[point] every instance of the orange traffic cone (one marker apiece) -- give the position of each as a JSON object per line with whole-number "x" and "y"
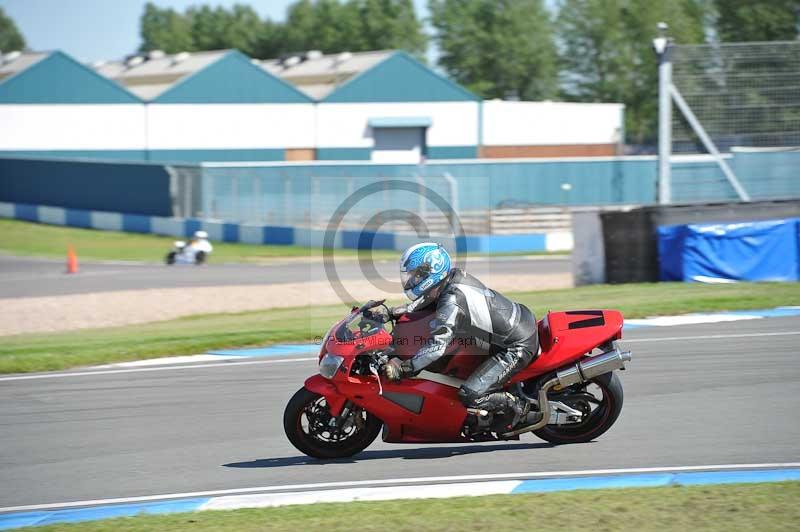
{"x": 72, "y": 260}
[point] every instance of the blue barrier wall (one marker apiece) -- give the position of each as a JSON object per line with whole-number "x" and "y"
{"x": 749, "y": 251}
{"x": 119, "y": 187}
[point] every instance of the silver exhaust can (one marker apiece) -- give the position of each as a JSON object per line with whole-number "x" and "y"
{"x": 589, "y": 368}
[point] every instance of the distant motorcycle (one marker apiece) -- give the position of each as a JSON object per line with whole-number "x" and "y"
{"x": 196, "y": 251}
{"x": 340, "y": 411}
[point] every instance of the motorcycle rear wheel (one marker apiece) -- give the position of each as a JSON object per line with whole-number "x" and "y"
{"x": 316, "y": 438}
{"x": 599, "y": 420}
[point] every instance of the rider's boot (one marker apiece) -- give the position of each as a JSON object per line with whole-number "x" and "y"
{"x": 501, "y": 412}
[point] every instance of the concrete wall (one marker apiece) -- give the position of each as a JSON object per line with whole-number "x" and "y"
{"x": 334, "y": 131}
{"x": 230, "y": 126}
{"x": 126, "y": 188}
{"x": 344, "y": 126}
{"x": 73, "y": 127}
{"x": 551, "y": 129}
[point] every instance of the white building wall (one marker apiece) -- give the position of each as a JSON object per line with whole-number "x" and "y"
{"x": 230, "y": 126}
{"x": 72, "y": 127}
{"x": 345, "y": 125}
{"x": 551, "y": 123}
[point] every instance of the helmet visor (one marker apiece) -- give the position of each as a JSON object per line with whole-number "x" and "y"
{"x": 412, "y": 278}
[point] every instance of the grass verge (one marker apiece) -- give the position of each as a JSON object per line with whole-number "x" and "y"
{"x": 200, "y": 333}
{"x": 709, "y": 508}
{"x": 40, "y": 240}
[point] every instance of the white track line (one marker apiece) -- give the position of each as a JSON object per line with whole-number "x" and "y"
{"x": 710, "y": 337}
{"x": 162, "y": 368}
{"x": 400, "y": 481}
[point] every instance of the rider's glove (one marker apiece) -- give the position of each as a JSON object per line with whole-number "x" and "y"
{"x": 396, "y": 312}
{"x": 378, "y": 314}
{"x": 395, "y": 369}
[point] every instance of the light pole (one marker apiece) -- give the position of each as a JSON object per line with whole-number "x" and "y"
{"x": 662, "y": 45}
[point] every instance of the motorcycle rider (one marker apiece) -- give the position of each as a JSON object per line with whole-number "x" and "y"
{"x": 199, "y": 242}
{"x": 466, "y": 309}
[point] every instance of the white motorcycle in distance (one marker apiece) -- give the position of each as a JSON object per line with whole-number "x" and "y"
{"x": 196, "y": 251}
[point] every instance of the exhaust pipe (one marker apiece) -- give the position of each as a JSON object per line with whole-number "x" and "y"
{"x": 590, "y": 368}
{"x": 583, "y": 371}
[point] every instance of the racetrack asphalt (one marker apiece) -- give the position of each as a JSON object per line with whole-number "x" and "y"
{"x": 724, "y": 393}
{"x": 30, "y": 277}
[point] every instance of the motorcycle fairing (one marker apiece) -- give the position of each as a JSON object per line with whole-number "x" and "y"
{"x": 439, "y": 420}
{"x": 564, "y": 337}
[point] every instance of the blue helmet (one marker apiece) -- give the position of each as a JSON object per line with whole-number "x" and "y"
{"x": 423, "y": 267}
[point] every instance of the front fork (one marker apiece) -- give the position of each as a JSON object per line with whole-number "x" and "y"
{"x": 324, "y": 387}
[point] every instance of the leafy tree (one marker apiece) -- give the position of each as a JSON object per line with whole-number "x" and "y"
{"x": 165, "y": 29}
{"x": 357, "y": 25}
{"x": 328, "y": 25}
{"x": 390, "y": 24}
{"x": 606, "y": 53}
{"x": 497, "y": 48}
{"x": 216, "y": 29}
{"x": 757, "y": 20}
{"x": 10, "y": 37}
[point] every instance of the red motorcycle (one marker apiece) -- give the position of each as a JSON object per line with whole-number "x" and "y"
{"x": 339, "y": 412}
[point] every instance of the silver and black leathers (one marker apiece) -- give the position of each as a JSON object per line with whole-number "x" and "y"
{"x": 504, "y": 329}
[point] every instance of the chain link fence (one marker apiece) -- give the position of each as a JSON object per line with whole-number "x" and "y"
{"x": 400, "y": 203}
{"x": 744, "y": 94}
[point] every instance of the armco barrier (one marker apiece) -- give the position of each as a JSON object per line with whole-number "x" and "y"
{"x": 744, "y": 251}
{"x": 278, "y": 235}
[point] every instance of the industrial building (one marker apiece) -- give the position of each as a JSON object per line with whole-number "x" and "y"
{"x": 383, "y": 106}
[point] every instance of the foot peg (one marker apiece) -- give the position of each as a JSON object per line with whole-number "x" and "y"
{"x": 532, "y": 421}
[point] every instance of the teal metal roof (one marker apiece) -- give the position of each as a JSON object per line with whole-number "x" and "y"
{"x": 57, "y": 79}
{"x": 400, "y": 121}
{"x": 399, "y": 78}
{"x": 232, "y": 79}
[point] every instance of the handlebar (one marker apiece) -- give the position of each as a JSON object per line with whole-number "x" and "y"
{"x": 371, "y": 304}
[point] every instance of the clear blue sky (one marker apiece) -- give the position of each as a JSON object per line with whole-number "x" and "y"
{"x": 91, "y": 30}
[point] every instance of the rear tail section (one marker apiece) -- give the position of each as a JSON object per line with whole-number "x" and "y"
{"x": 567, "y": 336}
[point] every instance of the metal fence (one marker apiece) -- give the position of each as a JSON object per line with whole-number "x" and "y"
{"x": 486, "y": 198}
{"x": 245, "y": 194}
{"x": 744, "y": 94}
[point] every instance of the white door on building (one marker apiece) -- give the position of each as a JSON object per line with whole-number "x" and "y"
{"x": 396, "y": 145}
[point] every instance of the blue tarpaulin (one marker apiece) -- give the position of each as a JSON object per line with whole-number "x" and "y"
{"x": 746, "y": 251}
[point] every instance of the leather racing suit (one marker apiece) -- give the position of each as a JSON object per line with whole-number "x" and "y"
{"x": 506, "y": 330}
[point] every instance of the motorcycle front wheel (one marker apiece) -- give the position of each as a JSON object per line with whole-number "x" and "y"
{"x": 313, "y": 431}
{"x": 169, "y": 260}
{"x": 600, "y": 400}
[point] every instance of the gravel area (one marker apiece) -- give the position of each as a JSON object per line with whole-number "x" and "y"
{"x": 126, "y": 307}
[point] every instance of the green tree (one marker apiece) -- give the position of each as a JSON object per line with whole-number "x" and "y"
{"x": 390, "y": 24}
{"x": 165, "y": 29}
{"x": 497, "y": 48}
{"x": 606, "y": 53}
{"x": 328, "y": 25}
{"x": 10, "y": 37}
{"x": 357, "y": 25}
{"x": 300, "y": 25}
{"x": 217, "y": 29}
{"x": 757, "y": 20}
